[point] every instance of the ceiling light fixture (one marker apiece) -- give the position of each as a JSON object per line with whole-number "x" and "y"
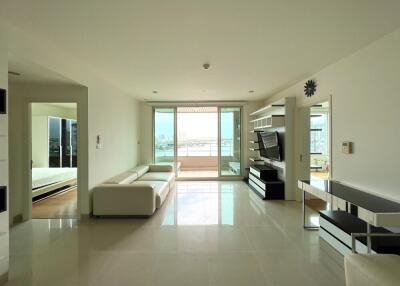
{"x": 155, "y": 91}
{"x": 14, "y": 73}
{"x": 251, "y": 91}
{"x": 206, "y": 66}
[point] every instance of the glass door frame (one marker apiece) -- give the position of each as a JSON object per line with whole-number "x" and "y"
{"x": 219, "y": 107}
{"x": 219, "y": 141}
{"x": 174, "y": 108}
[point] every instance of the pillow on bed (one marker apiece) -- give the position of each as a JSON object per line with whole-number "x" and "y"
{"x": 123, "y": 179}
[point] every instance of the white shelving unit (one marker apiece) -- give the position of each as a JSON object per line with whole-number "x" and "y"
{"x": 277, "y": 116}
{"x": 270, "y": 121}
{"x": 275, "y": 106}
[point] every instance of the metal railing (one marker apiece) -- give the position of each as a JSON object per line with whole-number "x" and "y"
{"x": 195, "y": 148}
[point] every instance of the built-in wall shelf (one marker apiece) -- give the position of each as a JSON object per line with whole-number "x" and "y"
{"x": 277, "y": 116}
{"x": 255, "y": 131}
{"x": 254, "y": 149}
{"x": 270, "y": 121}
{"x": 256, "y": 159}
{"x": 268, "y": 108}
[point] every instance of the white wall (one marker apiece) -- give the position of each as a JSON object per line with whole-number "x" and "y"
{"x": 101, "y": 112}
{"x": 111, "y": 113}
{"x": 40, "y": 130}
{"x": 4, "y": 226}
{"x": 21, "y": 95}
{"x": 115, "y": 117}
{"x": 365, "y": 109}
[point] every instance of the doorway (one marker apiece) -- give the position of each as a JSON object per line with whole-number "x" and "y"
{"x": 197, "y": 142}
{"x": 319, "y": 150}
{"x": 320, "y": 166}
{"x": 54, "y": 160}
{"x": 200, "y": 141}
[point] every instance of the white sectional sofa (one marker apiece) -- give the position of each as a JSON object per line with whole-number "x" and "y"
{"x": 139, "y": 191}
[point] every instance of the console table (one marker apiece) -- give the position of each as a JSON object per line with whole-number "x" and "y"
{"x": 373, "y": 210}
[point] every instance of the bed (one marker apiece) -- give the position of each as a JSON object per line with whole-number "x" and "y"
{"x": 45, "y": 180}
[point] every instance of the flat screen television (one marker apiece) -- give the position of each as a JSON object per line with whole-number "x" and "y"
{"x": 270, "y": 145}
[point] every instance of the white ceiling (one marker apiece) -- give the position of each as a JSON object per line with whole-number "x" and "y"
{"x": 68, "y": 105}
{"x": 30, "y": 72}
{"x": 161, "y": 45}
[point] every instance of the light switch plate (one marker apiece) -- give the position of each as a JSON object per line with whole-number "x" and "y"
{"x": 347, "y": 147}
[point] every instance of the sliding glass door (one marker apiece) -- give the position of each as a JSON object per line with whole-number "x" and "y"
{"x": 185, "y": 137}
{"x": 62, "y": 142}
{"x": 164, "y": 137}
{"x": 54, "y": 142}
{"x": 229, "y": 141}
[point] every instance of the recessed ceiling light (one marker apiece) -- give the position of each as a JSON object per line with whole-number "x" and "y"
{"x": 251, "y": 91}
{"x": 14, "y": 73}
{"x": 155, "y": 91}
{"x": 206, "y": 66}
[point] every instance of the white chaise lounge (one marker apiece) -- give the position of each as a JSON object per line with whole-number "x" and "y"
{"x": 372, "y": 269}
{"x": 139, "y": 191}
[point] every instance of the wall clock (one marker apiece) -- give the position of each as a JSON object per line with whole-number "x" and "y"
{"x": 310, "y": 87}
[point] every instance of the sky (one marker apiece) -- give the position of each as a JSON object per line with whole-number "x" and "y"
{"x": 193, "y": 126}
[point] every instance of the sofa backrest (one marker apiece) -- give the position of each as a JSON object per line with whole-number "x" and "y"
{"x": 132, "y": 175}
{"x": 123, "y": 179}
{"x": 140, "y": 170}
{"x": 161, "y": 168}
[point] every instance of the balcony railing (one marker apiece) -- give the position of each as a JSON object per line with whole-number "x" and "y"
{"x": 195, "y": 148}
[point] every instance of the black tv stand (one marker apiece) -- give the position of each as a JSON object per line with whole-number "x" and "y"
{"x": 263, "y": 180}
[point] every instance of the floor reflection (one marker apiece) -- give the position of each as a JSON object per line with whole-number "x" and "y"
{"x": 208, "y": 203}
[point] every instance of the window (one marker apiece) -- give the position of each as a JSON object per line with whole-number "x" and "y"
{"x": 319, "y": 139}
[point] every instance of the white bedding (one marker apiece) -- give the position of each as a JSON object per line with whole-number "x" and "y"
{"x": 46, "y": 176}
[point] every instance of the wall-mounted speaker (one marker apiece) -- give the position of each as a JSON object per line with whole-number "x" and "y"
{"x": 3, "y": 101}
{"x": 3, "y": 199}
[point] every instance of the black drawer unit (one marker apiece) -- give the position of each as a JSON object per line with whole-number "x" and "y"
{"x": 263, "y": 180}
{"x": 264, "y": 172}
{"x": 336, "y": 228}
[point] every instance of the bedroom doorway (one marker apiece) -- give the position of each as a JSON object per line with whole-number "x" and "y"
{"x": 320, "y": 141}
{"x": 54, "y": 138}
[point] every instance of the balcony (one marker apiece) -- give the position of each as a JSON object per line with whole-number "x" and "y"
{"x": 199, "y": 158}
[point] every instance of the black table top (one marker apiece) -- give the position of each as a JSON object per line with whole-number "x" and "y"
{"x": 356, "y": 197}
{"x": 262, "y": 167}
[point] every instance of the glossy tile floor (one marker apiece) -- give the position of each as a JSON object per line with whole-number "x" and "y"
{"x": 207, "y": 233}
{"x": 198, "y": 174}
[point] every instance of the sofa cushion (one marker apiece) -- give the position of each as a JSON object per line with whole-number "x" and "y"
{"x": 157, "y": 176}
{"x": 140, "y": 170}
{"x": 168, "y": 167}
{"x": 161, "y": 189}
{"x": 123, "y": 179}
